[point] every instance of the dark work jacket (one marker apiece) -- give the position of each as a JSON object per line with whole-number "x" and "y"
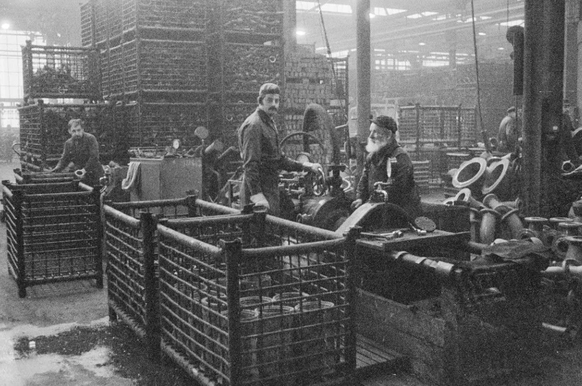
{"x": 403, "y": 190}
{"x": 258, "y": 141}
{"x": 83, "y": 153}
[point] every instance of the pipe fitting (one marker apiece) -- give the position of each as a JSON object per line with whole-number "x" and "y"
{"x": 555, "y": 221}
{"x": 513, "y": 222}
{"x": 470, "y": 173}
{"x": 536, "y": 224}
{"x": 574, "y": 252}
{"x": 488, "y": 225}
{"x": 496, "y": 177}
{"x": 570, "y": 228}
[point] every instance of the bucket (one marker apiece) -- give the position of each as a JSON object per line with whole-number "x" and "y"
{"x": 274, "y": 344}
{"x": 255, "y": 285}
{"x": 210, "y": 307}
{"x": 290, "y": 299}
{"x": 248, "y": 327}
{"x": 318, "y": 347}
{"x": 194, "y": 317}
{"x": 254, "y": 302}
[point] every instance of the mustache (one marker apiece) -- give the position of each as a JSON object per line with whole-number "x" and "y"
{"x": 273, "y": 108}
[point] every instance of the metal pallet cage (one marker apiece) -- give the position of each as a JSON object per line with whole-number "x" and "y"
{"x": 60, "y": 72}
{"x": 256, "y": 300}
{"x": 44, "y": 130}
{"x": 131, "y": 275}
{"x": 53, "y": 233}
{"x": 452, "y": 125}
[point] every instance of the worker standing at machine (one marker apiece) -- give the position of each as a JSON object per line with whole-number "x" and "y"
{"x": 81, "y": 155}
{"x": 388, "y": 162}
{"x": 508, "y": 135}
{"x": 258, "y": 140}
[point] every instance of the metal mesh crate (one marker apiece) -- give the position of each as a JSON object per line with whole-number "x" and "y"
{"x": 87, "y": 24}
{"x": 160, "y": 65}
{"x": 53, "y": 233}
{"x": 256, "y": 301}
{"x": 44, "y": 130}
{"x": 450, "y": 125}
{"x": 131, "y": 276}
{"x": 248, "y": 66}
{"x": 157, "y": 124}
{"x": 60, "y": 72}
{"x": 178, "y": 14}
{"x": 42, "y": 178}
{"x": 254, "y": 17}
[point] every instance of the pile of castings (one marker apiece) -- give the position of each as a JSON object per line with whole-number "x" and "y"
{"x": 494, "y": 221}
{"x": 486, "y": 188}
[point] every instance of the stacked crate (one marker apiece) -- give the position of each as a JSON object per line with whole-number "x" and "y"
{"x": 44, "y": 130}
{"x": 308, "y": 79}
{"x": 60, "y": 72}
{"x": 246, "y": 50}
{"x": 154, "y": 58}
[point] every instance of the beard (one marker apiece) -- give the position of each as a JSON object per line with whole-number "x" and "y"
{"x": 374, "y": 146}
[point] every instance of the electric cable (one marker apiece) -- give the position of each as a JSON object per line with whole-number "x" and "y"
{"x": 483, "y": 131}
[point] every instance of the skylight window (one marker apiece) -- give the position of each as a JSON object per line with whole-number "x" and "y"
{"x": 512, "y": 23}
{"x": 329, "y": 7}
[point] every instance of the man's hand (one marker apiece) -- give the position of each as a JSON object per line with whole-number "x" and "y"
{"x": 260, "y": 200}
{"x": 312, "y": 167}
{"x": 356, "y": 203}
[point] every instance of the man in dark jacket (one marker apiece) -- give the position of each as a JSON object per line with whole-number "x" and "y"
{"x": 388, "y": 162}
{"x": 508, "y": 135}
{"x": 81, "y": 155}
{"x": 262, "y": 159}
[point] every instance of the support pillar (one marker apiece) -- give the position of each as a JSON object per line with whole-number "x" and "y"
{"x": 363, "y": 78}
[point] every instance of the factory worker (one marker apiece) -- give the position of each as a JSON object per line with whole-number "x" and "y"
{"x": 81, "y": 155}
{"x": 507, "y": 137}
{"x": 388, "y": 162}
{"x": 258, "y": 140}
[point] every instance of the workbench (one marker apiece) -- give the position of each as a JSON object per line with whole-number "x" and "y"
{"x": 410, "y": 240}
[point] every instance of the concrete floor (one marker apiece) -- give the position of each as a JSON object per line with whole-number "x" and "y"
{"x": 60, "y": 335}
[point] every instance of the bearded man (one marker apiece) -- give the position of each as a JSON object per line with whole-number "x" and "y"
{"x": 81, "y": 155}
{"x": 390, "y": 163}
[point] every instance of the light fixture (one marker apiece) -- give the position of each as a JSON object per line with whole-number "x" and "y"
{"x": 5, "y": 26}
{"x": 422, "y": 44}
{"x": 372, "y": 15}
{"x": 482, "y": 34}
{"x": 501, "y": 48}
{"x": 300, "y": 32}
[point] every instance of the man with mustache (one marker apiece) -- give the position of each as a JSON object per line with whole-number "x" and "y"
{"x": 388, "y": 162}
{"x": 81, "y": 155}
{"x": 258, "y": 140}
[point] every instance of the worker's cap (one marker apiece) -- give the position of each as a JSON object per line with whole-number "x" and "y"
{"x": 268, "y": 88}
{"x": 511, "y": 109}
{"x": 386, "y": 122}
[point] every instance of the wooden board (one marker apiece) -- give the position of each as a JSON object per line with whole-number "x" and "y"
{"x": 373, "y": 358}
